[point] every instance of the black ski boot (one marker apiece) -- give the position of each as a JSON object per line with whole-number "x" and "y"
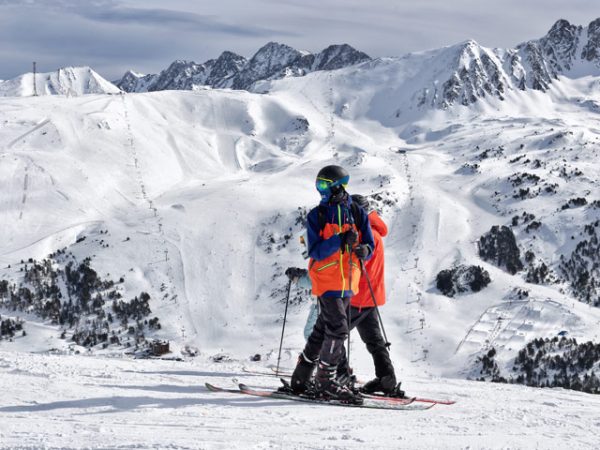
{"x": 371, "y": 387}
{"x": 301, "y": 378}
{"x": 328, "y": 388}
{"x": 345, "y": 377}
{"x": 385, "y": 385}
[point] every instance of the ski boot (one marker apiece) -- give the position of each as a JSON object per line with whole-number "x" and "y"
{"x": 385, "y": 385}
{"x": 345, "y": 377}
{"x": 328, "y": 388}
{"x": 301, "y": 378}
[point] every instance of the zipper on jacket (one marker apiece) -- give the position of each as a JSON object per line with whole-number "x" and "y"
{"x": 341, "y": 260}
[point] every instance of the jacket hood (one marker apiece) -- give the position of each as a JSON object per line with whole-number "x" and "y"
{"x": 378, "y": 224}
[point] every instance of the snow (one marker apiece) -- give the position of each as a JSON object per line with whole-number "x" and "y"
{"x": 199, "y": 180}
{"x": 85, "y": 401}
{"x": 67, "y": 81}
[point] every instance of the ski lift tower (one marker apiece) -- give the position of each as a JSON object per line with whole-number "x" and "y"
{"x": 34, "y": 86}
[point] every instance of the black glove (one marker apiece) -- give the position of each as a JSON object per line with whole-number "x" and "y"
{"x": 362, "y": 251}
{"x": 348, "y": 238}
{"x": 293, "y": 273}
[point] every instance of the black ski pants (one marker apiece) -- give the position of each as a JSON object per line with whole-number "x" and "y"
{"x": 326, "y": 342}
{"x": 366, "y": 321}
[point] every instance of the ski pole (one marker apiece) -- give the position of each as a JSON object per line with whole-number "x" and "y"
{"x": 348, "y": 310}
{"x": 364, "y": 272}
{"x": 287, "y": 301}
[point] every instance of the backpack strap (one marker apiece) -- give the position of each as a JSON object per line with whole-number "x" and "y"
{"x": 357, "y": 217}
{"x": 322, "y": 217}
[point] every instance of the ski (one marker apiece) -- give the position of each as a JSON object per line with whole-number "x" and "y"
{"x": 402, "y": 401}
{"x": 213, "y": 388}
{"x": 367, "y": 402}
{"x": 285, "y": 373}
{"x": 437, "y": 402}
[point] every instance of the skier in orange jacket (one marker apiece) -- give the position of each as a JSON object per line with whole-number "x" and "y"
{"x": 365, "y": 319}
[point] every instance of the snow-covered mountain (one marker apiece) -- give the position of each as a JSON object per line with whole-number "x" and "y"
{"x": 477, "y": 72}
{"x": 459, "y": 74}
{"x": 272, "y": 61}
{"x": 135, "y": 82}
{"x": 68, "y": 81}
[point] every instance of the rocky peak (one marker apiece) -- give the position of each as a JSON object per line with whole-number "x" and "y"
{"x": 591, "y": 50}
{"x": 129, "y": 79}
{"x": 225, "y": 67}
{"x": 476, "y": 73}
{"x": 562, "y": 30}
{"x": 181, "y": 75}
{"x": 560, "y": 45}
{"x": 338, "y": 56}
{"x": 270, "y": 60}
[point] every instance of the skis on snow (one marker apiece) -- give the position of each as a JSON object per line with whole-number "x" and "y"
{"x": 286, "y": 373}
{"x": 368, "y": 402}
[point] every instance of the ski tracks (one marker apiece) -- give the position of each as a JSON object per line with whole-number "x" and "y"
{"x": 162, "y": 265}
{"x": 225, "y": 141}
{"x": 25, "y": 189}
{"x": 12, "y": 143}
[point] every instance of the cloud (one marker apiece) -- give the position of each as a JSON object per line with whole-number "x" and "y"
{"x": 114, "y": 12}
{"x": 169, "y": 18}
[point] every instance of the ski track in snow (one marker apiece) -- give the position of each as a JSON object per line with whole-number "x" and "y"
{"x": 27, "y": 133}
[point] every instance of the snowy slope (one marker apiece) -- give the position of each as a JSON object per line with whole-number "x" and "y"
{"x": 67, "y": 81}
{"x": 199, "y": 181}
{"x": 86, "y": 402}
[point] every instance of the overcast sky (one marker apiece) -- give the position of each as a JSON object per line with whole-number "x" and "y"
{"x": 115, "y": 35}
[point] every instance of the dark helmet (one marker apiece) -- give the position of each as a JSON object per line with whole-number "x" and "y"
{"x": 333, "y": 173}
{"x": 331, "y": 180}
{"x": 361, "y": 201}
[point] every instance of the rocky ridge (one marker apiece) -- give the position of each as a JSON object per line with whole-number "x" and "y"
{"x": 230, "y": 70}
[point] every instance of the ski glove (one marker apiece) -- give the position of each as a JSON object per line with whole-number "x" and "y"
{"x": 362, "y": 251}
{"x": 349, "y": 237}
{"x": 294, "y": 273}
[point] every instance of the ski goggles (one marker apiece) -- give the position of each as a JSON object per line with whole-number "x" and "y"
{"x": 324, "y": 185}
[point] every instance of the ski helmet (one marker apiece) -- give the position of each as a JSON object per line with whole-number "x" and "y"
{"x": 330, "y": 180}
{"x": 361, "y": 201}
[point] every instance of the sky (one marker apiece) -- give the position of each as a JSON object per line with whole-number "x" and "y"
{"x": 113, "y": 36}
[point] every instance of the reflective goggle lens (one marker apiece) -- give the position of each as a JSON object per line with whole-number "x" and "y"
{"x": 323, "y": 185}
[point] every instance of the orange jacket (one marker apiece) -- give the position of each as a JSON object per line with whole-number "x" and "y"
{"x": 374, "y": 268}
{"x": 331, "y": 274}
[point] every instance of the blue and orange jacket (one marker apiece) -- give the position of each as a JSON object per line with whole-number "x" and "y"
{"x": 375, "y": 268}
{"x": 329, "y": 267}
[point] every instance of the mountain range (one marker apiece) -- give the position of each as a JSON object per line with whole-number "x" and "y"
{"x": 459, "y": 74}
{"x": 231, "y": 70}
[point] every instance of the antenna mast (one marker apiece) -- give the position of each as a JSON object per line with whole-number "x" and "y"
{"x": 34, "y": 86}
